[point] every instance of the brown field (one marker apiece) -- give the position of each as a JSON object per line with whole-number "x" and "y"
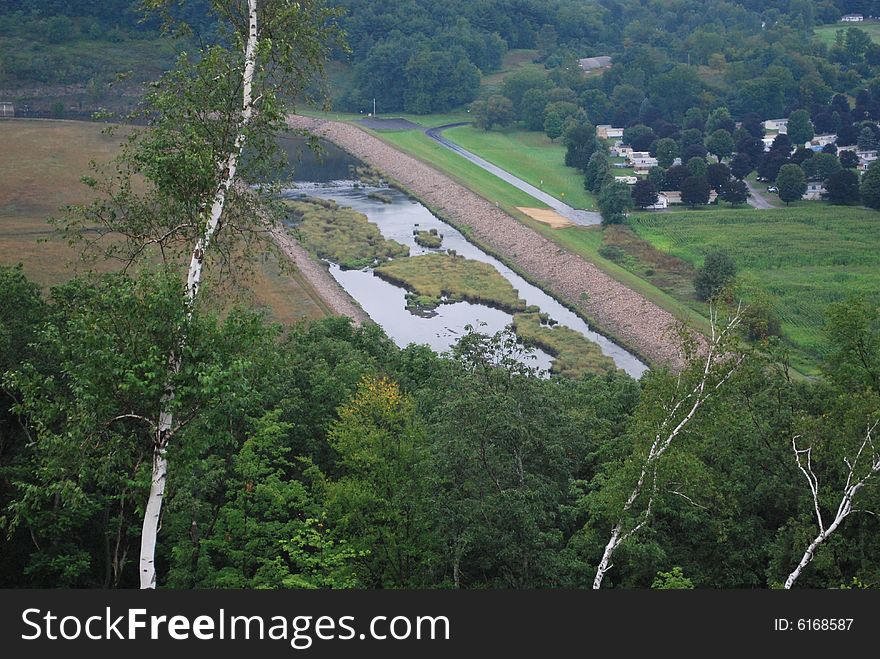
{"x": 40, "y": 170}
{"x": 547, "y": 216}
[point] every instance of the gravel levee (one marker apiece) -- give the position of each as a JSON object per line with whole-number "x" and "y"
{"x": 611, "y": 307}
{"x": 339, "y": 301}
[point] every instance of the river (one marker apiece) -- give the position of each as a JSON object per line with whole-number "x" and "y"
{"x": 329, "y": 178}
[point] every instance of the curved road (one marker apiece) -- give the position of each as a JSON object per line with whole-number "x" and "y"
{"x": 581, "y": 217}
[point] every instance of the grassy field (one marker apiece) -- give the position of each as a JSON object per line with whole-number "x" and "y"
{"x": 453, "y": 278}
{"x": 464, "y": 172}
{"x": 804, "y": 259}
{"x": 574, "y": 355}
{"x": 40, "y": 173}
{"x": 341, "y": 235}
{"x": 827, "y": 33}
{"x": 530, "y": 156}
{"x": 514, "y": 60}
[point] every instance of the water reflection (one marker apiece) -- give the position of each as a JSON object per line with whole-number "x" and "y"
{"x": 385, "y": 303}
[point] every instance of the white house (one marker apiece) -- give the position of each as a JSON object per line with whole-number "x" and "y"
{"x": 821, "y": 140}
{"x": 852, "y": 18}
{"x": 607, "y": 132}
{"x": 624, "y": 150}
{"x": 778, "y": 125}
{"x": 815, "y": 191}
{"x": 629, "y": 180}
{"x": 867, "y": 156}
{"x": 768, "y": 142}
{"x": 674, "y": 196}
{"x": 642, "y": 160}
{"x": 850, "y": 147}
{"x": 662, "y": 203}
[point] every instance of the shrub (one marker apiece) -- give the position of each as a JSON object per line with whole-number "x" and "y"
{"x": 718, "y": 271}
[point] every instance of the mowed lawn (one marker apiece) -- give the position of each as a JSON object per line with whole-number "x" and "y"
{"x": 41, "y": 166}
{"x": 828, "y": 33}
{"x": 530, "y": 156}
{"x": 487, "y": 185}
{"x": 804, "y": 258}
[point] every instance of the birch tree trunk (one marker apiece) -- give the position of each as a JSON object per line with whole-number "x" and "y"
{"x": 165, "y": 429}
{"x": 679, "y": 413}
{"x": 854, "y": 483}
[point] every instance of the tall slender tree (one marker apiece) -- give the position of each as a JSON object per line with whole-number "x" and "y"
{"x": 197, "y": 203}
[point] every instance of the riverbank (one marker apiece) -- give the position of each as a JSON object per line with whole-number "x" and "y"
{"x": 635, "y": 322}
{"x": 333, "y": 295}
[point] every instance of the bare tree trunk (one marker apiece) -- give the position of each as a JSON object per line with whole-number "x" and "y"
{"x": 854, "y": 483}
{"x": 164, "y": 431}
{"x": 701, "y": 392}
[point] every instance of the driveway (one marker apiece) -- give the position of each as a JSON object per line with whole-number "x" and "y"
{"x": 756, "y": 200}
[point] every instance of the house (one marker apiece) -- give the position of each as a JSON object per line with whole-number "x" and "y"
{"x": 661, "y": 204}
{"x": 778, "y": 125}
{"x": 852, "y": 18}
{"x": 674, "y": 196}
{"x": 629, "y": 180}
{"x": 867, "y": 156}
{"x": 624, "y": 151}
{"x": 821, "y": 141}
{"x": 6, "y": 110}
{"x": 768, "y": 142}
{"x": 815, "y": 191}
{"x": 595, "y": 63}
{"x": 606, "y": 132}
{"x": 642, "y": 160}
{"x": 851, "y": 147}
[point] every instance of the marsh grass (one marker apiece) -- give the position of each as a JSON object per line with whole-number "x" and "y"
{"x": 574, "y": 355}
{"x": 448, "y": 278}
{"x": 341, "y": 235}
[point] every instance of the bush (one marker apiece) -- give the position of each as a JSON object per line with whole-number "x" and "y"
{"x": 761, "y": 322}
{"x": 612, "y": 253}
{"x": 718, "y": 271}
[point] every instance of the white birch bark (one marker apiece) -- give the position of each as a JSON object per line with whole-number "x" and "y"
{"x": 696, "y": 397}
{"x": 803, "y": 457}
{"x": 164, "y": 430}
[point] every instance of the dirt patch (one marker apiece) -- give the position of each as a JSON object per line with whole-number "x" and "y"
{"x": 547, "y": 216}
{"x": 612, "y": 307}
{"x": 389, "y": 124}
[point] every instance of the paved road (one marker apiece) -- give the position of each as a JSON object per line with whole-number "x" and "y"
{"x": 584, "y": 218}
{"x": 755, "y": 199}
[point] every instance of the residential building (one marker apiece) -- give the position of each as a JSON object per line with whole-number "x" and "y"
{"x": 624, "y": 151}
{"x": 629, "y": 180}
{"x": 815, "y": 191}
{"x": 607, "y": 132}
{"x": 595, "y": 63}
{"x": 662, "y": 203}
{"x": 778, "y": 125}
{"x": 674, "y": 196}
{"x": 852, "y": 18}
{"x": 867, "y": 156}
{"x": 7, "y": 110}
{"x": 821, "y": 141}
{"x": 642, "y": 159}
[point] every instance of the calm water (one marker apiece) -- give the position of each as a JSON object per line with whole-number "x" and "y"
{"x": 326, "y": 176}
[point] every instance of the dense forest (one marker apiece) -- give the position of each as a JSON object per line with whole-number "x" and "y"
{"x": 324, "y": 456}
{"x": 320, "y": 455}
{"x": 422, "y": 56}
